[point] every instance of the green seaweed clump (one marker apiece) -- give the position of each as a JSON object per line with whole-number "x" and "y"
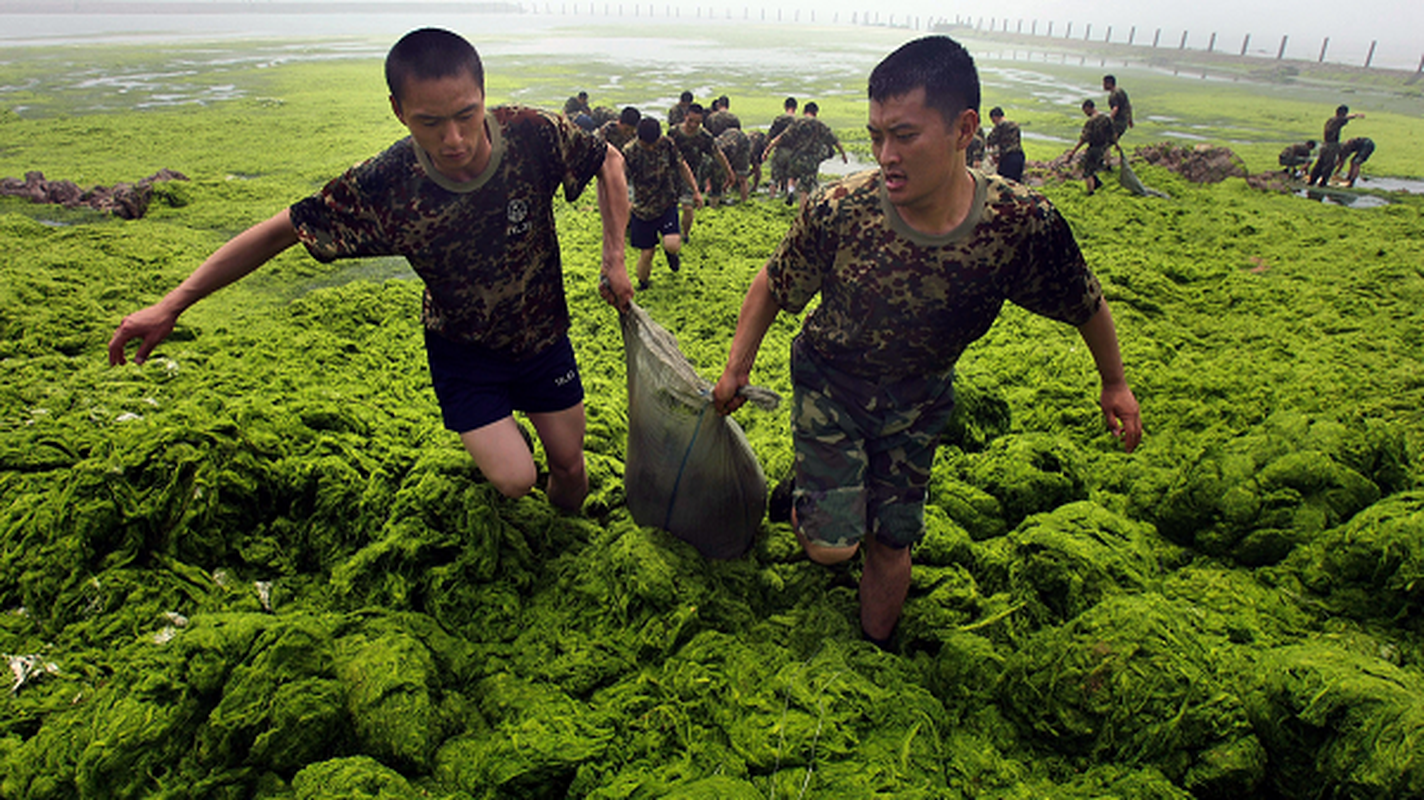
{"x": 1134, "y": 680}
{"x": 1372, "y": 567}
{"x": 1335, "y": 718}
{"x": 1254, "y": 498}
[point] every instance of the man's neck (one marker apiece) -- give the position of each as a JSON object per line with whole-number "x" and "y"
{"x": 941, "y": 213}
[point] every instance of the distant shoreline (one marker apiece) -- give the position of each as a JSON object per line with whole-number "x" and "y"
{"x": 82, "y": 7}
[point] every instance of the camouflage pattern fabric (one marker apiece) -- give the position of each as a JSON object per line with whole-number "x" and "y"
{"x": 1006, "y": 137}
{"x": 779, "y": 124}
{"x": 655, "y": 175}
{"x": 975, "y": 152}
{"x": 895, "y": 302}
{"x": 696, "y": 150}
{"x": 1098, "y": 131}
{"x": 1333, "y": 126}
{"x": 737, "y": 147}
{"x": 864, "y": 450}
{"x": 1118, "y": 99}
{"x": 757, "y": 141}
{"x": 808, "y": 142}
{"x": 1295, "y": 155}
{"x": 487, "y": 248}
{"x": 675, "y": 115}
{"x": 612, "y": 133}
{"x": 719, "y": 121}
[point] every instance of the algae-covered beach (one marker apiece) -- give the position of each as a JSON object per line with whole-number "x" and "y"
{"x": 257, "y": 566}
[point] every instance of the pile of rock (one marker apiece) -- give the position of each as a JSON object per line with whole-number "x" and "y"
{"x": 127, "y": 200}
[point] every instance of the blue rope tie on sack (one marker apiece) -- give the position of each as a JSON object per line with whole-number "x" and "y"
{"x": 672, "y": 500}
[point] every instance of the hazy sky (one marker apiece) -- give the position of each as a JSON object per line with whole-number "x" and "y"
{"x": 1398, "y": 25}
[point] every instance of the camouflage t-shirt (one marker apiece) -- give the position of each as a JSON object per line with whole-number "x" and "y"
{"x": 1118, "y": 99}
{"x": 613, "y": 133}
{"x": 720, "y": 120}
{"x": 1333, "y": 126}
{"x": 779, "y": 124}
{"x": 737, "y": 147}
{"x": 808, "y": 141}
{"x": 1098, "y": 131}
{"x": 696, "y": 148}
{"x": 486, "y": 248}
{"x": 1005, "y": 136}
{"x": 655, "y": 173}
{"x": 896, "y": 302}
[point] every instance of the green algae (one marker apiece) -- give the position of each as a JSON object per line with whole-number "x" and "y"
{"x": 1081, "y": 623}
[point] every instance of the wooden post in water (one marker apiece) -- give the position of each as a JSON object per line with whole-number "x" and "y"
{"x": 1155, "y": 37}
{"x": 1069, "y": 34}
{"x": 1323, "y": 45}
{"x": 1211, "y": 44}
{"x": 1088, "y": 32}
{"x": 1371, "y": 55}
{"x": 1033, "y": 29}
{"x": 1281, "y": 53}
{"x": 1183, "y": 45}
{"x": 1050, "y": 29}
{"x": 1245, "y": 43}
{"x": 1108, "y": 37}
{"x": 1131, "y": 34}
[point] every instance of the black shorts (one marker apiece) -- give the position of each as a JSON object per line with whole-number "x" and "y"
{"x": 645, "y": 233}
{"x": 476, "y": 386}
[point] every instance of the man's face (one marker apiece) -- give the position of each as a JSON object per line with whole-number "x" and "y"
{"x": 446, "y": 117}
{"x": 692, "y": 121}
{"x": 1108, "y": 85}
{"x": 917, "y": 151}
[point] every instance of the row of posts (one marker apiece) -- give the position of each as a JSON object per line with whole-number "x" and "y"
{"x": 674, "y": 12}
{"x": 913, "y": 22}
{"x": 1156, "y": 37}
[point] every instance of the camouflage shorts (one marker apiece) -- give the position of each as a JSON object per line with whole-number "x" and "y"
{"x": 863, "y": 451}
{"x": 806, "y": 171}
{"x": 1093, "y": 159}
{"x": 780, "y": 165}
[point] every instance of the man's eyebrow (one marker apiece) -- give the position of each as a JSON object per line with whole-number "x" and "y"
{"x": 436, "y": 117}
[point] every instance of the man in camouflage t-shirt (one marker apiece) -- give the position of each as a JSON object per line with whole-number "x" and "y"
{"x": 655, "y": 171}
{"x": 1119, "y": 107}
{"x": 1330, "y": 146}
{"x": 737, "y": 147}
{"x": 781, "y": 159}
{"x": 467, "y": 199}
{"x": 619, "y": 132}
{"x": 807, "y": 141}
{"x": 1004, "y": 142}
{"x": 911, "y": 263}
{"x": 699, "y": 150}
{"x": 1098, "y": 135}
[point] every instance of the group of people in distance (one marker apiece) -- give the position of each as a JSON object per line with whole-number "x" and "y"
{"x": 912, "y": 262}
{"x": 1333, "y": 155}
{"x": 704, "y": 153}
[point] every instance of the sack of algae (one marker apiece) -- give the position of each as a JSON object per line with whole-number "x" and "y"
{"x": 689, "y": 470}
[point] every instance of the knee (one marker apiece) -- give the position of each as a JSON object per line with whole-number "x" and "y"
{"x": 513, "y": 482}
{"x": 823, "y": 554}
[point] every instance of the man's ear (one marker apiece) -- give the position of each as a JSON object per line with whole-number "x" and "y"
{"x": 965, "y": 126}
{"x": 396, "y": 109}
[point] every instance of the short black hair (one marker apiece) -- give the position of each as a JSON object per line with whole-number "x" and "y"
{"x": 1310, "y": 144}
{"x": 1110, "y": 79}
{"x": 685, "y": 97}
{"x": 696, "y": 108}
{"x": 1342, "y": 111}
{"x": 789, "y": 102}
{"x": 724, "y": 101}
{"x": 1089, "y": 103}
{"x": 996, "y": 112}
{"x": 811, "y": 108}
{"x": 649, "y": 129}
{"x": 430, "y": 54}
{"x": 937, "y": 64}
{"x": 630, "y": 116}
